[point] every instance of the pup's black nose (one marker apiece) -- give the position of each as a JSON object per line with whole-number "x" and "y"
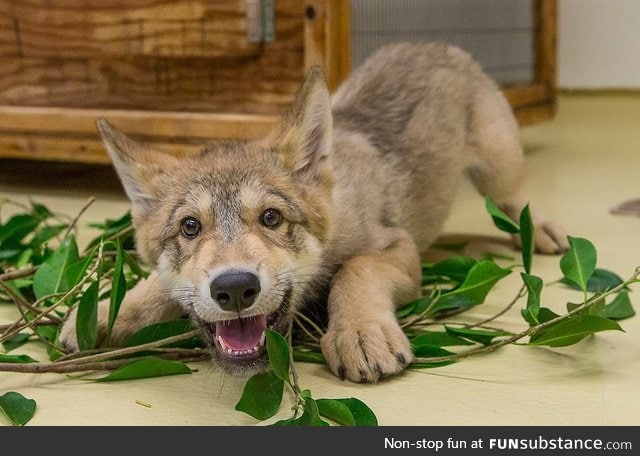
{"x": 235, "y": 291}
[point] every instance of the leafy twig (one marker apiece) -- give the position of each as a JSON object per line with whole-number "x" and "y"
{"x": 531, "y": 330}
{"x": 64, "y": 298}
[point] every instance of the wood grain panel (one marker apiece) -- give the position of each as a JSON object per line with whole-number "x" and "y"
{"x": 175, "y": 125}
{"x": 87, "y": 29}
{"x": 258, "y": 84}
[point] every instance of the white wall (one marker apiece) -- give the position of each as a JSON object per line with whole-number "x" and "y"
{"x": 599, "y": 44}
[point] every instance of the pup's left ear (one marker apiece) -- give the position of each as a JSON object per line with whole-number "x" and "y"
{"x": 304, "y": 142}
{"x": 140, "y": 169}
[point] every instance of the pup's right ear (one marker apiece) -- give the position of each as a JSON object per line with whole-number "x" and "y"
{"x": 138, "y": 167}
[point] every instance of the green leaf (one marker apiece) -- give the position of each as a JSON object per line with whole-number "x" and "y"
{"x": 111, "y": 228}
{"x": 481, "y": 278}
{"x": 527, "y": 238}
{"x": 17, "y": 408}
{"x": 9, "y": 254}
{"x": 262, "y": 395}
{"x": 15, "y": 341}
{"x": 430, "y": 351}
{"x": 159, "y": 331}
{"x": 573, "y": 330}
{"x": 534, "y": 286}
{"x": 619, "y": 309}
{"x": 482, "y": 336}
{"x": 438, "y": 339}
{"x": 41, "y": 211}
{"x": 347, "y": 412}
{"x": 456, "y": 247}
{"x": 118, "y": 287}
{"x": 20, "y": 359}
{"x": 545, "y": 314}
{"x": 594, "y": 308}
{"x": 135, "y": 266}
{"x": 502, "y": 221}
{"x": 146, "y": 368}
{"x": 415, "y": 307}
{"x": 17, "y": 228}
{"x": 456, "y": 267}
{"x": 56, "y": 274}
{"x": 430, "y": 365}
{"x": 51, "y": 334}
{"x": 45, "y": 234}
{"x": 579, "y": 263}
{"x": 310, "y": 415}
{"x": 336, "y": 411}
{"x": 25, "y": 258}
{"x": 279, "y": 356}
{"x": 306, "y": 356}
{"x": 450, "y": 301}
{"x": 406, "y": 309}
{"x": 600, "y": 281}
{"x": 87, "y": 317}
{"x": 362, "y": 414}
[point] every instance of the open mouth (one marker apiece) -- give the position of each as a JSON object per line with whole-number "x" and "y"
{"x": 242, "y": 338}
{"x": 242, "y": 341}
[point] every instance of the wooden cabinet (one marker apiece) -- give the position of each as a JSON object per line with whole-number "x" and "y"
{"x": 175, "y": 72}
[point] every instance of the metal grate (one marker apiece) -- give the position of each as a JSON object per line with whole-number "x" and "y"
{"x": 499, "y": 33}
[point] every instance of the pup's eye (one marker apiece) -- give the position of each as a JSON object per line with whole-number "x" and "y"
{"x": 190, "y": 227}
{"x": 271, "y": 218}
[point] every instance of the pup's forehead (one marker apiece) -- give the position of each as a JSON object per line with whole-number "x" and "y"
{"x": 230, "y": 177}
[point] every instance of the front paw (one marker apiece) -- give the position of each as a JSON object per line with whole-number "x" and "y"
{"x": 367, "y": 350}
{"x": 68, "y": 335}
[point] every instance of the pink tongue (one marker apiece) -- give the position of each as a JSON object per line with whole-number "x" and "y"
{"x": 243, "y": 333}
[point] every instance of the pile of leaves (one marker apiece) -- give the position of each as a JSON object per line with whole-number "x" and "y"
{"x": 44, "y": 274}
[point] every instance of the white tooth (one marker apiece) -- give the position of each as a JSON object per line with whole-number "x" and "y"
{"x": 263, "y": 338}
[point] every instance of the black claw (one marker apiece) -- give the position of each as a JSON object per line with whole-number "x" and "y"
{"x": 342, "y": 373}
{"x": 401, "y": 359}
{"x": 378, "y": 369}
{"x": 363, "y": 376}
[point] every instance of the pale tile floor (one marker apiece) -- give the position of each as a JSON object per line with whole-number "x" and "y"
{"x": 580, "y": 165}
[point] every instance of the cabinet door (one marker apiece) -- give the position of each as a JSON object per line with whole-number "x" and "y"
{"x": 185, "y": 69}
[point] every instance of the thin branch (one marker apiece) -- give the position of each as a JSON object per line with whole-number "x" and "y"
{"x": 304, "y": 329}
{"x": 22, "y": 303}
{"x": 64, "y": 368}
{"x": 74, "y": 222}
{"x": 16, "y": 323}
{"x": 310, "y": 322}
{"x": 520, "y": 294}
{"x": 130, "y": 350}
{"x": 128, "y": 229}
{"x": 18, "y": 274}
{"x": 295, "y": 384}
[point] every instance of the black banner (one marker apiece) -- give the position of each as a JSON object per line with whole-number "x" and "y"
{"x": 330, "y": 441}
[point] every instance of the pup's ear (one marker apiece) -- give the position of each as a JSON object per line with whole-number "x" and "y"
{"x": 304, "y": 140}
{"x": 138, "y": 167}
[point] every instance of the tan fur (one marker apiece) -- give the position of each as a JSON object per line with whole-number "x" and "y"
{"x": 363, "y": 183}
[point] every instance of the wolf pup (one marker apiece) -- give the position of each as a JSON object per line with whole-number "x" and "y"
{"x": 336, "y": 204}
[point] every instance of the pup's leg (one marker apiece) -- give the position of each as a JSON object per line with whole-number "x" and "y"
{"x": 364, "y": 341}
{"x": 497, "y": 167}
{"x": 145, "y": 304}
